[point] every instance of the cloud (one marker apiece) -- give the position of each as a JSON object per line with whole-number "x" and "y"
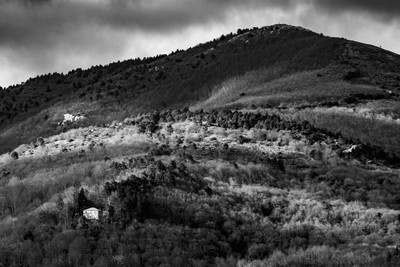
{"x": 20, "y": 22}
{"x": 31, "y": 2}
{"x": 382, "y": 9}
{"x": 39, "y": 36}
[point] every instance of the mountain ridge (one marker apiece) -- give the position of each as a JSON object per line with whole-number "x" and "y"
{"x": 186, "y": 78}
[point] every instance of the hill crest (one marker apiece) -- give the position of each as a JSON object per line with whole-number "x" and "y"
{"x": 190, "y": 77}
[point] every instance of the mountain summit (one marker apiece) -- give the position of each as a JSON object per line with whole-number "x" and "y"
{"x": 274, "y": 66}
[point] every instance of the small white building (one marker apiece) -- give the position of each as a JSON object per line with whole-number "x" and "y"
{"x": 70, "y": 118}
{"x": 91, "y": 213}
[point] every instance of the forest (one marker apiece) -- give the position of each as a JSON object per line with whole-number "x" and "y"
{"x": 199, "y": 188}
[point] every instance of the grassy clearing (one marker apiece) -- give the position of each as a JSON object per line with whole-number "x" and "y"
{"x": 274, "y": 87}
{"x": 25, "y": 167}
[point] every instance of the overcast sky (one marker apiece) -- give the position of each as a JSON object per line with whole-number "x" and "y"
{"x": 42, "y": 36}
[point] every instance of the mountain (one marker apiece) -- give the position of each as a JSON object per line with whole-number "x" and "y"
{"x": 275, "y": 66}
{"x": 273, "y": 146}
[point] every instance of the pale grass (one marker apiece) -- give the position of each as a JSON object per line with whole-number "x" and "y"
{"x": 270, "y": 87}
{"x": 80, "y": 139}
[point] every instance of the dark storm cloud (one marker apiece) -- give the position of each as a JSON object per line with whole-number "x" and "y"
{"x": 384, "y": 9}
{"x": 32, "y": 2}
{"x": 43, "y": 20}
{"x": 18, "y": 21}
{"x": 37, "y": 28}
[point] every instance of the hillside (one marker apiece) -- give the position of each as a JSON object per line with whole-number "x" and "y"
{"x": 199, "y": 189}
{"x": 274, "y": 146}
{"x": 270, "y": 62}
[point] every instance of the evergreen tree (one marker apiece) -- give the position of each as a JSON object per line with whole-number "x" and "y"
{"x": 82, "y": 201}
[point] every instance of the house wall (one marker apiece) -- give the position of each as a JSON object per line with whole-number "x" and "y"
{"x": 91, "y": 214}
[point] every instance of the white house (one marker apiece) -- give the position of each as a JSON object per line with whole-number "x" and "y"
{"x": 69, "y": 118}
{"x": 91, "y": 213}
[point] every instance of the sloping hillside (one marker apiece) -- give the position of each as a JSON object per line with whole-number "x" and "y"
{"x": 105, "y": 93}
{"x": 274, "y": 66}
{"x": 182, "y": 188}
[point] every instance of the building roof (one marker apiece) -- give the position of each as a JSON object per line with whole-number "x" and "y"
{"x": 91, "y": 209}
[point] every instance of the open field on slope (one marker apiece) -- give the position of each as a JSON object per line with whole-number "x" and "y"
{"x": 271, "y": 87}
{"x": 182, "y": 192}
